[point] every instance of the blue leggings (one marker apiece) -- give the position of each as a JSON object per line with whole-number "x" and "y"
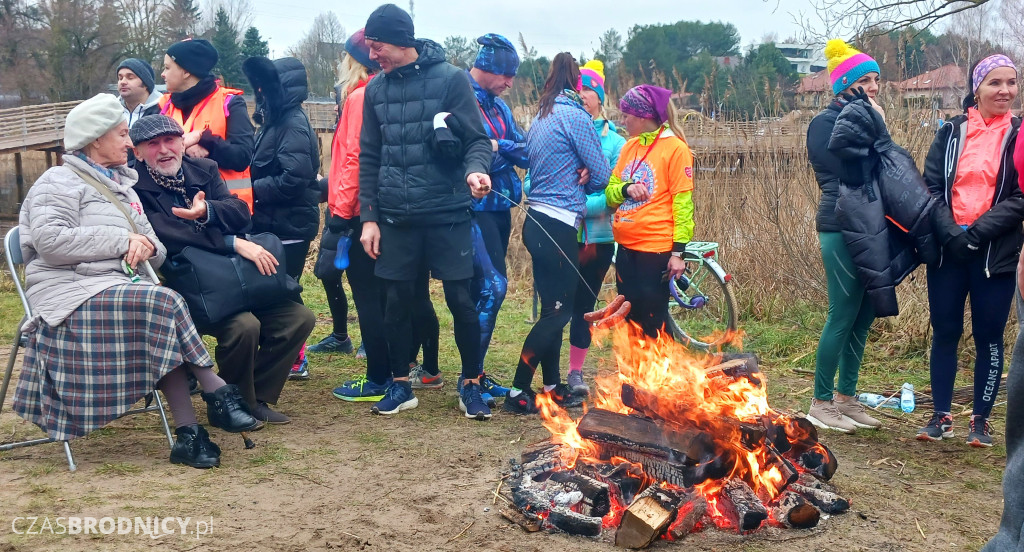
{"x": 949, "y": 286}
{"x": 491, "y": 231}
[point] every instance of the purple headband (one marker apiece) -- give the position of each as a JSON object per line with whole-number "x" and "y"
{"x": 986, "y": 66}
{"x": 647, "y": 102}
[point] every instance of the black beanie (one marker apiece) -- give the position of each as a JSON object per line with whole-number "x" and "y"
{"x": 142, "y": 70}
{"x": 197, "y": 56}
{"x": 392, "y": 25}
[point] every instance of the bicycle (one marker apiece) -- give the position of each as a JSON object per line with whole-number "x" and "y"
{"x": 706, "y": 307}
{"x": 702, "y": 301}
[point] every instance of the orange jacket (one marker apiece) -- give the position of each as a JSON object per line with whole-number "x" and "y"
{"x": 343, "y": 177}
{"x": 212, "y": 114}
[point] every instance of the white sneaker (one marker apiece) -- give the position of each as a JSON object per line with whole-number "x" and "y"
{"x": 826, "y": 415}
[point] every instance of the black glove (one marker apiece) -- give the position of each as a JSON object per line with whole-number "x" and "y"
{"x": 324, "y": 185}
{"x": 338, "y": 225}
{"x": 851, "y": 95}
{"x": 961, "y": 248}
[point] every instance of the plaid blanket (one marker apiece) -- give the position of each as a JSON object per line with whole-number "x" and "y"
{"x": 88, "y": 371}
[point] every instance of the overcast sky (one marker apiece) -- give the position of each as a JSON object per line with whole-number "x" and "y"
{"x": 550, "y": 26}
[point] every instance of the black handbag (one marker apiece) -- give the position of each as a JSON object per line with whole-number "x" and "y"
{"x": 216, "y": 286}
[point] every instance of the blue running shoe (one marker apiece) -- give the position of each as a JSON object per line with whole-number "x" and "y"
{"x": 360, "y": 390}
{"x": 492, "y": 387}
{"x": 331, "y": 344}
{"x": 488, "y": 398}
{"x": 397, "y": 397}
{"x": 472, "y": 404}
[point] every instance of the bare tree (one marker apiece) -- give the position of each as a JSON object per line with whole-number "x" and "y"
{"x": 319, "y": 50}
{"x": 460, "y": 51}
{"x": 143, "y": 22}
{"x": 240, "y": 13}
{"x": 853, "y": 17}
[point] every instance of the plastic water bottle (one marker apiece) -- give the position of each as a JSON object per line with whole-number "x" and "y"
{"x": 907, "y": 398}
{"x": 341, "y": 258}
{"x": 873, "y": 400}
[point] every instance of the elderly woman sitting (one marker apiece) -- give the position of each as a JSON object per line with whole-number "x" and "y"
{"x": 102, "y": 339}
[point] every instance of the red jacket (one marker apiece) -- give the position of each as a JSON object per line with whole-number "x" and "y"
{"x": 343, "y": 178}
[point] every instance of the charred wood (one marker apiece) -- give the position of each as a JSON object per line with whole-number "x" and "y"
{"x": 575, "y": 523}
{"x": 743, "y": 505}
{"x": 829, "y": 503}
{"x": 687, "y": 516}
{"x": 596, "y": 501}
{"x": 528, "y": 521}
{"x": 808, "y": 479}
{"x": 793, "y": 510}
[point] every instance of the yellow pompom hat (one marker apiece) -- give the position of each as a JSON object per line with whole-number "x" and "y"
{"x": 846, "y": 64}
{"x": 592, "y": 76}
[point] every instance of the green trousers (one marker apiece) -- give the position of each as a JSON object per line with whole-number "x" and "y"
{"x": 849, "y": 316}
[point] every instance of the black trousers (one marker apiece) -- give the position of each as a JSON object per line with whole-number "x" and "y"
{"x": 555, "y": 279}
{"x": 595, "y": 258}
{"x": 295, "y": 260}
{"x": 368, "y": 296}
{"x": 256, "y": 349}
{"x": 639, "y": 277}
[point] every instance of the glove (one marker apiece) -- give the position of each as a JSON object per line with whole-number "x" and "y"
{"x": 338, "y": 225}
{"x": 851, "y": 95}
{"x": 961, "y": 248}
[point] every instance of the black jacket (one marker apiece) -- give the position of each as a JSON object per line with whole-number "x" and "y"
{"x": 229, "y": 216}
{"x": 284, "y": 167}
{"x": 403, "y": 179}
{"x": 886, "y": 221}
{"x": 830, "y": 169}
{"x": 998, "y": 232}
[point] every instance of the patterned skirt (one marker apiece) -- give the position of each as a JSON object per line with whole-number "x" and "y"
{"x": 88, "y": 371}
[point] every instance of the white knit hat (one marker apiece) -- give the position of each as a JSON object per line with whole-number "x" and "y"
{"x": 91, "y": 119}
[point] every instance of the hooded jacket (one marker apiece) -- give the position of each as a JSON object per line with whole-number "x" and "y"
{"x": 402, "y": 178}
{"x": 287, "y": 157}
{"x": 997, "y": 232}
{"x": 500, "y": 125}
{"x": 886, "y": 222}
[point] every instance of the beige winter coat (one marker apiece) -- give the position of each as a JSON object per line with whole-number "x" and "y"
{"x": 73, "y": 238}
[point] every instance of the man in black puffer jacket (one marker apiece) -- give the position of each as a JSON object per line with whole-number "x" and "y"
{"x": 287, "y": 157}
{"x": 422, "y": 151}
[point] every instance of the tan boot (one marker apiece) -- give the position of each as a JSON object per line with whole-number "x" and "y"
{"x": 853, "y": 409}
{"x": 826, "y": 415}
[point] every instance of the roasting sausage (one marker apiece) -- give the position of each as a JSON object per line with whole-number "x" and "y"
{"x": 607, "y": 310}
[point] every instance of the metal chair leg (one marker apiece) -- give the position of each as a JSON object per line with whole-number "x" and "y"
{"x": 163, "y": 417}
{"x": 10, "y": 364}
{"x": 71, "y": 459}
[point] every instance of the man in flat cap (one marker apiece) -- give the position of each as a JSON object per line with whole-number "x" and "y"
{"x": 214, "y": 118}
{"x": 188, "y": 204}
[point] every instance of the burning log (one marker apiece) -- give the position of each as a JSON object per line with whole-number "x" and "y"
{"x": 819, "y": 460}
{"x": 806, "y": 451}
{"x": 792, "y": 510}
{"x": 638, "y": 434}
{"x": 650, "y": 515}
{"x": 808, "y": 479}
{"x": 528, "y": 521}
{"x": 596, "y": 500}
{"x": 575, "y": 523}
{"x": 530, "y": 499}
{"x": 743, "y": 505}
{"x": 627, "y": 478}
{"x": 543, "y": 461}
{"x": 749, "y": 369}
{"x": 687, "y": 517}
{"x": 827, "y": 502}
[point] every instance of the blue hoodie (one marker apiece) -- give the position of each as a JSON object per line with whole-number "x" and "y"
{"x": 497, "y": 118}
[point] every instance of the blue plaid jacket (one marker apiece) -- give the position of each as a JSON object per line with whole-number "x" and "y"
{"x": 559, "y": 145}
{"x": 497, "y": 118}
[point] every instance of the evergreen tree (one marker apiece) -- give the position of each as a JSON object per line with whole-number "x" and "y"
{"x": 225, "y": 40}
{"x": 253, "y": 44}
{"x": 181, "y": 20}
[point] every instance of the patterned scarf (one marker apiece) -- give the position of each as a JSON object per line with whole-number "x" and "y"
{"x": 109, "y": 173}
{"x": 175, "y": 184}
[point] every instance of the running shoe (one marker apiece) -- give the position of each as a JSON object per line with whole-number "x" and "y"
{"x": 939, "y": 427}
{"x": 419, "y": 378}
{"x": 472, "y": 404}
{"x": 397, "y": 397}
{"x": 980, "y": 435}
{"x": 331, "y": 344}
{"x": 360, "y": 389}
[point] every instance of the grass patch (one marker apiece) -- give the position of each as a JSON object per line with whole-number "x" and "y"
{"x": 272, "y": 454}
{"x": 118, "y": 468}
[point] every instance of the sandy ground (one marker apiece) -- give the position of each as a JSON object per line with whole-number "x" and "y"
{"x": 340, "y": 479}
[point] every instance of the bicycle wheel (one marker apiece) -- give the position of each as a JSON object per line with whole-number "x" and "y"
{"x": 702, "y": 309}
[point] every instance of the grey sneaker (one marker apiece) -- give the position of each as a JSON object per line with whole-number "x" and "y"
{"x": 826, "y": 415}
{"x": 576, "y": 383}
{"x": 855, "y": 411}
{"x": 980, "y": 433}
{"x": 421, "y": 379}
{"x": 265, "y": 413}
{"x": 939, "y": 427}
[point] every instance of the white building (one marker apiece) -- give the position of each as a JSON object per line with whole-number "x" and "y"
{"x": 804, "y": 58}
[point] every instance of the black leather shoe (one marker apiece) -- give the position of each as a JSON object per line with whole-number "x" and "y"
{"x": 226, "y": 409}
{"x": 194, "y": 448}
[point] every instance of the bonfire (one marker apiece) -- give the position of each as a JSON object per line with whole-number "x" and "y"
{"x": 673, "y": 442}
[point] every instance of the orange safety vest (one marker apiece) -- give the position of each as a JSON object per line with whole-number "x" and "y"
{"x": 212, "y": 113}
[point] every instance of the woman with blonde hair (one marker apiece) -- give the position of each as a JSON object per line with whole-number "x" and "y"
{"x": 651, "y": 190}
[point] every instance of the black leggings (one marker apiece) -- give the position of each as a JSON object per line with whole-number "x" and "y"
{"x": 368, "y": 296}
{"x": 399, "y": 316}
{"x": 639, "y": 276}
{"x": 426, "y": 329}
{"x": 554, "y": 278}
{"x": 949, "y": 286}
{"x": 595, "y": 258}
